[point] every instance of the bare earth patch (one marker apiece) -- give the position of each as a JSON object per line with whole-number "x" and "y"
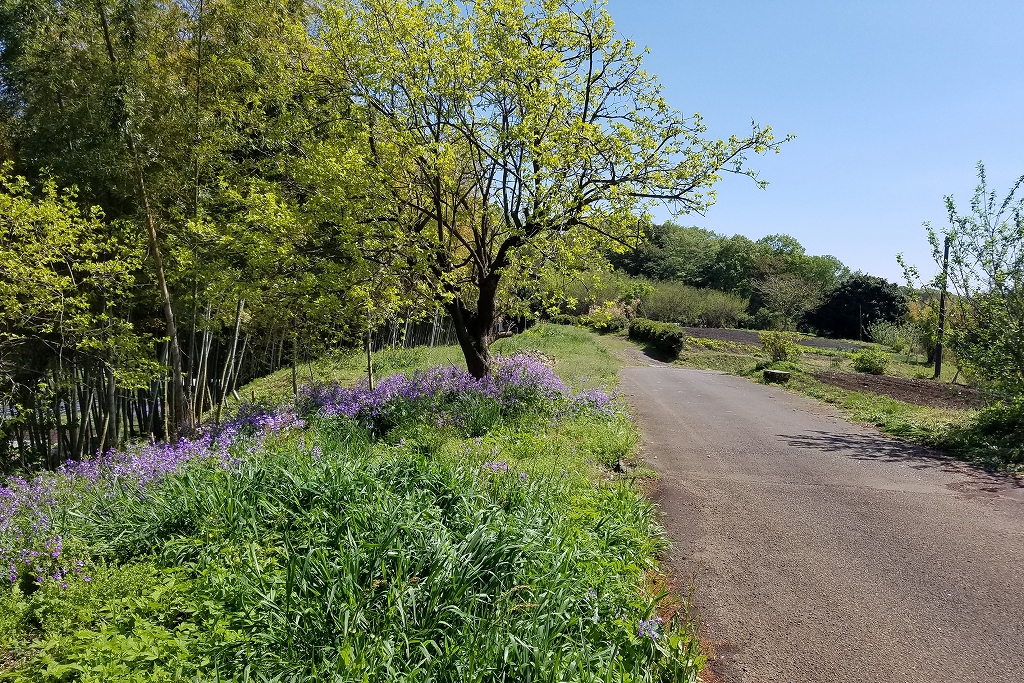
{"x": 922, "y": 392}
{"x": 751, "y": 337}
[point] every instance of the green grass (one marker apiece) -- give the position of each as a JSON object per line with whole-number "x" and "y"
{"x": 733, "y": 363}
{"x": 580, "y": 359}
{"x": 916, "y": 423}
{"x": 331, "y": 554}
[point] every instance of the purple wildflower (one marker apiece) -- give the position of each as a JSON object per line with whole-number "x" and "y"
{"x": 650, "y": 628}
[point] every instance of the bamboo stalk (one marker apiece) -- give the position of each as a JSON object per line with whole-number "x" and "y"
{"x": 229, "y": 366}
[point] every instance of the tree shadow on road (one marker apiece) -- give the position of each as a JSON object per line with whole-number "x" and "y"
{"x": 879, "y": 448}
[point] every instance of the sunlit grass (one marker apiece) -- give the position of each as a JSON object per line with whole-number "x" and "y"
{"x": 338, "y": 553}
{"x": 580, "y": 358}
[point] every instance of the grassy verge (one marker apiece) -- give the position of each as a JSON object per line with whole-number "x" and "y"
{"x": 475, "y": 534}
{"x": 920, "y": 424}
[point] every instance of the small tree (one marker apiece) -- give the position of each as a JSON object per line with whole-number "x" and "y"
{"x": 788, "y": 296}
{"x": 504, "y": 134}
{"x": 986, "y": 281}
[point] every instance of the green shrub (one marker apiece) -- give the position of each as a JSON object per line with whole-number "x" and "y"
{"x": 898, "y": 337}
{"x": 872, "y": 360}
{"x": 995, "y": 436}
{"x": 765, "y": 319}
{"x": 563, "y": 319}
{"x": 678, "y": 303}
{"x": 779, "y": 347}
{"x": 665, "y": 337}
{"x": 605, "y": 321}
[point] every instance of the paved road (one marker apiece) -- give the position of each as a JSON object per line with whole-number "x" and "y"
{"x": 823, "y": 551}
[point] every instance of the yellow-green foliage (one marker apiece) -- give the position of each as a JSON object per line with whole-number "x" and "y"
{"x": 872, "y": 360}
{"x": 678, "y": 303}
{"x": 779, "y": 346}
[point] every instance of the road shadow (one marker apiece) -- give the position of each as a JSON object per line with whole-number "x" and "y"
{"x": 879, "y": 448}
{"x": 648, "y": 354}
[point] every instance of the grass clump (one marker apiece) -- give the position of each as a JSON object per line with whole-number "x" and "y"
{"x": 871, "y": 360}
{"x": 778, "y": 346}
{"x": 994, "y": 436}
{"x": 431, "y": 529}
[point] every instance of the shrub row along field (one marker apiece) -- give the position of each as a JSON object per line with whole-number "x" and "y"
{"x": 436, "y": 527}
{"x": 667, "y": 338}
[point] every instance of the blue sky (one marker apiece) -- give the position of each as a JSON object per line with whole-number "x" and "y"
{"x": 893, "y": 104}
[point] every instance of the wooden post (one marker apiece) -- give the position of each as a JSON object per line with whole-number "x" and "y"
{"x": 942, "y": 312}
{"x": 295, "y": 364}
{"x": 369, "y": 354}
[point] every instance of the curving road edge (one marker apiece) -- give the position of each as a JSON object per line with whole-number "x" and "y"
{"x": 823, "y": 551}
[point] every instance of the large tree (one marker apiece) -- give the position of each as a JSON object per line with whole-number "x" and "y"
{"x": 506, "y": 134}
{"x": 856, "y": 303}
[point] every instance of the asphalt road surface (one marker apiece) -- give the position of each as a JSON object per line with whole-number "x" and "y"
{"x": 823, "y": 551}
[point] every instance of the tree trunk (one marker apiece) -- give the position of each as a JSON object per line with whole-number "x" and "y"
{"x": 474, "y": 329}
{"x": 474, "y": 335}
{"x": 178, "y": 397}
{"x": 229, "y": 365}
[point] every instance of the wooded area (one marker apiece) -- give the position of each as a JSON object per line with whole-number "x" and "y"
{"x": 198, "y": 193}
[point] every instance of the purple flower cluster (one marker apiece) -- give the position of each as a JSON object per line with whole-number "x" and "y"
{"x": 593, "y": 401}
{"x": 27, "y": 539}
{"x": 517, "y": 382}
{"x": 650, "y": 628}
{"x": 30, "y": 539}
{"x": 32, "y": 511}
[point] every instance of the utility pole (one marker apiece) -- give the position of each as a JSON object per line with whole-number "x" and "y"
{"x": 942, "y": 311}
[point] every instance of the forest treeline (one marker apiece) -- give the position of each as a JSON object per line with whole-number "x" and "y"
{"x": 151, "y": 218}
{"x": 693, "y": 276}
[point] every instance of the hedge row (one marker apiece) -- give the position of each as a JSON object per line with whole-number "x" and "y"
{"x": 598, "y": 322}
{"x": 667, "y": 337}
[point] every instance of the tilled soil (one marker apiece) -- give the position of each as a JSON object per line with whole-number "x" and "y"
{"x": 751, "y": 337}
{"x": 921, "y": 392}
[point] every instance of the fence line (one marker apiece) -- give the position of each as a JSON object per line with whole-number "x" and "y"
{"x": 436, "y": 331}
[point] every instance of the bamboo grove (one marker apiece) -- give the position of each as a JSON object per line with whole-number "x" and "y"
{"x": 193, "y": 194}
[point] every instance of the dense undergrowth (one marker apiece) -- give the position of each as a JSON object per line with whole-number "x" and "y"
{"x": 435, "y": 528}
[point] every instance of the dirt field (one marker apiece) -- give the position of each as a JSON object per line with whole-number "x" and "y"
{"x": 922, "y": 392}
{"x": 750, "y": 337}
